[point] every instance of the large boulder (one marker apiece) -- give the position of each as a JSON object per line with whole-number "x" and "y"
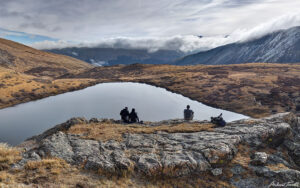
{"x": 174, "y": 154}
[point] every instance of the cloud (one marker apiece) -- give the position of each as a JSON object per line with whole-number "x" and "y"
{"x": 24, "y": 38}
{"x": 152, "y": 25}
{"x": 92, "y": 20}
{"x": 188, "y": 43}
{"x": 282, "y": 22}
{"x": 4, "y": 33}
{"x": 185, "y": 43}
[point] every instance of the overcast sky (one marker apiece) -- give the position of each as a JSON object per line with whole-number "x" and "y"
{"x": 143, "y": 22}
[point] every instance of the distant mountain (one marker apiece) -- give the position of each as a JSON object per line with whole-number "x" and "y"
{"x": 112, "y": 56}
{"x": 278, "y": 47}
{"x": 23, "y": 59}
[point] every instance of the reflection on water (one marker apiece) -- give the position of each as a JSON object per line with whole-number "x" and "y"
{"x": 101, "y": 101}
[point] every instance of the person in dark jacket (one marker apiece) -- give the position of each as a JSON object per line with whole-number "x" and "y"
{"x": 133, "y": 117}
{"x": 125, "y": 115}
{"x": 188, "y": 113}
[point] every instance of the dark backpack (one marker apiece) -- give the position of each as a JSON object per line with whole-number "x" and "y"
{"x": 219, "y": 121}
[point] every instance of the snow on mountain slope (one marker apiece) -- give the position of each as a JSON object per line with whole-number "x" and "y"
{"x": 279, "y": 47}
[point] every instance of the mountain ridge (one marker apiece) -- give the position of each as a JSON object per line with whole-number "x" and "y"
{"x": 112, "y": 56}
{"x": 278, "y": 47}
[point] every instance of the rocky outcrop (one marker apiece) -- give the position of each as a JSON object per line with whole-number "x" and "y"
{"x": 259, "y": 158}
{"x": 183, "y": 154}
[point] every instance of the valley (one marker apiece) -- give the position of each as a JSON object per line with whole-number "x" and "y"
{"x": 112, "y": 56}
{"x": 255, "y": 89}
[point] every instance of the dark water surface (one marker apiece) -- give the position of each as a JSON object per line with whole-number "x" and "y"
{"x": 102, "y": 101}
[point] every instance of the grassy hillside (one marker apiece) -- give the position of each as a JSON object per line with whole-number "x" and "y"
{"x": 16, "y": 87}
{"x": 27, "y": 74}
{"x": 35, "y": 62}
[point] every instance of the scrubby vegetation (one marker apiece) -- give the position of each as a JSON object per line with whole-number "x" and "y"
{"x": 8, "y": 156}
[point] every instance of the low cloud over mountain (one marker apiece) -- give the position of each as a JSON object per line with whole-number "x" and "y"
{"x": 152, "y": 25}
{"x": 184, "y": 43}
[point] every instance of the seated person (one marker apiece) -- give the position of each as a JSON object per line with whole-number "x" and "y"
{"x": 133, "y": 117}
{"x": 125, "y": 115}
{"x": 188, "y": 113}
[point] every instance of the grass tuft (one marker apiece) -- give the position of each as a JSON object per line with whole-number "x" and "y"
{"x": 8, "y": 156}
{"x": 107, "y": 131}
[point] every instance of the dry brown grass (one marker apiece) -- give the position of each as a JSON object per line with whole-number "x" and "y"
{"x": 19, "y": 88}
{"x": 27, "y": 74}
{"x": 51, "y": 163}
{"x": 45, "y": 170}
{"x": 136, "y": 181}
{"x": 54, "y": 172}
{"x": 8, "y": 156}
{"x": 242, "y": 157}
{"x": 107, "y": 131}
{"x": 23, "y": 58}
{"x": 6, "y": 178}
{"x": 276, "y": 167}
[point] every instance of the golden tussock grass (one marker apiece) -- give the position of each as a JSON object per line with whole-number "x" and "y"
{"x": 18, "y": 88}
{"x": 23, "y": 58}
{"x": 107, "y": 131}
{"x": 51, "y": 163}
{"x": 6, "y": 178}
{"x": 8, "y": 156}
{"x": 202, "y": 180}
{"x": 242, "y": 157}
{"x": 276, "y": 167}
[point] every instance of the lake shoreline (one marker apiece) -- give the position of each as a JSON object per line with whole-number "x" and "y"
{"x": 256, "y": 102}
{"x": 102, "y": 100}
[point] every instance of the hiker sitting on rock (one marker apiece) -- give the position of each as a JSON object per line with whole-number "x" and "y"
{"x": 188, "y": 113}
{"x": 219, "y": 121}
{"x": 133, "y": 117}
{"x": 125, "y": 115}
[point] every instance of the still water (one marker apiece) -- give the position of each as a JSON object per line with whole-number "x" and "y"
{"x": 102, "y": 101}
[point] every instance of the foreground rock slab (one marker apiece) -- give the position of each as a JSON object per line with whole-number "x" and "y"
{"x": 183, "y": 154}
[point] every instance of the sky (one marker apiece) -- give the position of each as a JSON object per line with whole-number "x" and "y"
{"x": 151, "y": 24}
